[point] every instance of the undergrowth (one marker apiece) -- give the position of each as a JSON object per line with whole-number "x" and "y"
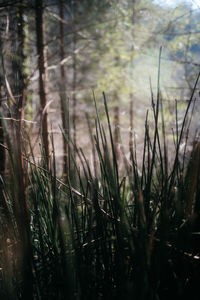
{"x": 100, "y": 235}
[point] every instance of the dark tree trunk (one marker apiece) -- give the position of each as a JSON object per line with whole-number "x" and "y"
{"x": 2, "y": 138}
{"x": 39, "y": 19}
{"x": 63, "y": 98}
{"x": 21, "y": 90}
{"x": 74, "y": 100}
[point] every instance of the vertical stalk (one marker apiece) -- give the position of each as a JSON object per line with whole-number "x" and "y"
{"x": 131, "y": 125}
{"x": 116, "y": 131}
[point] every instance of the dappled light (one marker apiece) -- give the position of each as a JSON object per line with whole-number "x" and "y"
{"x": 99, "y": 149}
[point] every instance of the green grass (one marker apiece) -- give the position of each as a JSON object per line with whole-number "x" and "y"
{"x": 100, "y": 235}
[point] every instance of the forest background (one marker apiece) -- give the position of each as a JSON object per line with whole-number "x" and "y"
{"x": 81, "y": 47}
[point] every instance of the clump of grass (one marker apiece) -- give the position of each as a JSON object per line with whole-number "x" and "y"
{"x": 99, "y": 235}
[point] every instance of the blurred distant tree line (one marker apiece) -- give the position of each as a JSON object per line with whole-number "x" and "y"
{"x": 54, "y": 53}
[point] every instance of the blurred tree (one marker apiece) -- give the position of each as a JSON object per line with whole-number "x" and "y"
{"x": 13, "y": 62}
{"x": 74, "y": 80}
{"x": 42, "y": 61}
{"x": 2, "y": 137}
{"x": 63, "y": 83}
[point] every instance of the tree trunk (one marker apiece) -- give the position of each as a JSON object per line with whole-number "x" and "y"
{"x": 74, "y": 100}
{"x": 39, "y": 19}
{"x": 21, "y": 88}
{"x": 2, "y": 138}
{"x": 63, "y": 98}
